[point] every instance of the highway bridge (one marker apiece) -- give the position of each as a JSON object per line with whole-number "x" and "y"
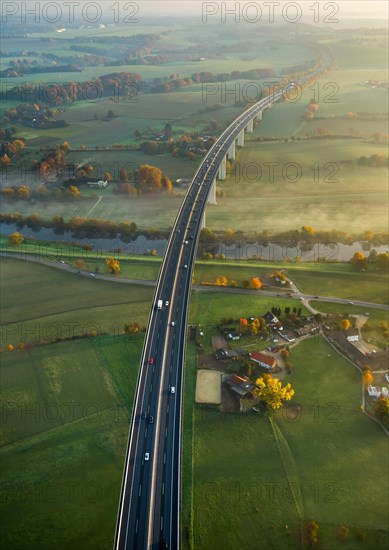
{"x": 149, "y": 508}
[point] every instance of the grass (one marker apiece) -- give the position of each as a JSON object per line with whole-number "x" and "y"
{"x": 80, "y": 306}
{"x": 62, "y": 463}
{"x": 238, "y": 467}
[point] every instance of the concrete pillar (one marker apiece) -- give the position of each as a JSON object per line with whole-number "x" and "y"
{"x": 249, "y": 127}
{"x": 223, "y": 169}
{"x": 212, "y": 193}
{"x": 202, "y": 224}
{"x": 259, "y": 115}
{"x": 231, "y": 151}
{"x": 240, "y": 139}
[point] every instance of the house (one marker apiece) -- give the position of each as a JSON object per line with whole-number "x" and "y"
{"x": 240, "y": 384}
{"x": 352, "y": 335}
{"x": 311, "y": 328}
{"x": 263, "y": 360}
{"x": 373, "y": 391}
{"x": 271, "y": 319}
{"x": 225, "y": 353}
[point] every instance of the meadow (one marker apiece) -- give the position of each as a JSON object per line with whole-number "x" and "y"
{"x": 67, "y": 408}
{"x": 256, "y": 482}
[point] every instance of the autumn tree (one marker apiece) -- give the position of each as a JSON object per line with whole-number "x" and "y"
{"x": 285, "y": 353}
{"x": 382, "y": 262}
{"x": 312, "y": 531}
{"x": 131, "y": 328}
{"x": 359, "y": 261}
{"x": 107, "y": 176}
{"x": 113, "y": 265}
{"x": 221, "y": 280}
{"x": 16, "y": 238}
{"x": 255, "y": 283}
{"x": 367, "y": 377}
{"x": 73, "y": 191}
{"x": 345, "y": 324}
{"x": 80, "y": 264}
{"x": 272, "y": 392}
{"x": 243, "y": 324}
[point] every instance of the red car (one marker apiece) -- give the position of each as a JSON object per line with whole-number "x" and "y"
{"x": 151, "y": 361}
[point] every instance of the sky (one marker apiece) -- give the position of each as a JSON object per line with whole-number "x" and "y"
{"x": 349, "y": 8}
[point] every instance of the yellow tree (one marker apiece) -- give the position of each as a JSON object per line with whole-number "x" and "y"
{"x": 345, "y": 324}
{"x": 255, "y": 283}
{"x": 367, "y": 377}
{"x": 113, "y": 265}
{"x": 272, "y": 392}
{"x": 221, "y": 280}
{"x": 16, "y": 238}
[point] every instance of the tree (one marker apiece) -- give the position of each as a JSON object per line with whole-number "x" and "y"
{"x": 285, "y": 353}
{"x": 113, "y": 265}
{"x": 312, "y": 530}
{"x": 255, "y": 283}
{"x": 243, "y": 324}
{"x": 107, "y": 176}
{"x": 272, "y": 392}
{"x": 137, "y": 135}
{"x": 80, "y": 264}
{"x": 382, "y": 408}
{"x": 367, "y": 377}
{"x": 16, "y": 238}
{"x": 10, "y": 347}
{"x": 345, "y": 324}
{"x": 359, "y": 261}
{"x": 168, "y": 130}
{"x": 221, "y": 280}
{"x": 382, "y": 262}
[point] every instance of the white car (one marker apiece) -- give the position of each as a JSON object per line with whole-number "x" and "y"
{"x": 173, "y": 324}
{"x": 147, "y": 457}
{"x": 167, "y": 303}
{"x": 172, "y": 389}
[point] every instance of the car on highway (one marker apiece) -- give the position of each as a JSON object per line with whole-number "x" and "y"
{"x": 173, "y": 324}
{"x": 147, "y": 457}
{"x": 164, "y": 545}
{"x": 151, "y": 361}
{"x": 172, "y": 389}
{"x": 150, "y": 419}
{"x": 144, "y": 415}
{"x": 185, "y": 266}
{"x": 186, "y": 242}
{"x": 167, "y": 303}
{"x": 62, "y": 262}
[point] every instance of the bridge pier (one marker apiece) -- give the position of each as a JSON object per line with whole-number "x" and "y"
{"x": 223, "y": 169}
{"x": 240, "y": 139}
{"x": 212, "y": 193}
{"x": 202, "y": 224}
{"x": 250, "y": 126}
{"x": 259, "y": 115}
{"x": 231, "y": 151}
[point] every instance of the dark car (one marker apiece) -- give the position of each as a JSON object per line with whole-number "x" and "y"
{"x": 150, "y": 420}
{"x": 144, "y": 415}
{"x": 164, "y": 545}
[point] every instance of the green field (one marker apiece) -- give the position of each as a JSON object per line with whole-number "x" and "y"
{"x": 55, "y": 304}
{"x": 64, "y": 433}
{"x": 243, "y": 469}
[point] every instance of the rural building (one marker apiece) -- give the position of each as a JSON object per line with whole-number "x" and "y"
{"x": 352, "y": 335}
{"x": 226, "y": 353}
{"x": 240, "y": 384}
{"x": 263, "y": 360}
{"x": 311, "y": 328}
{"x": 271, "y": 319}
